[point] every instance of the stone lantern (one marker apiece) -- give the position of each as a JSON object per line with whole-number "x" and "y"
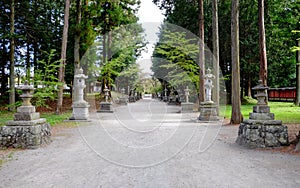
{"x": 123, "y": 99}
{"x": 187, "y": 94}
{"x": 80, "y": 106}
{"x": 132, "y": 95}
{"x": 123, "y": 91}
{"x": 27, "y": 130}
{"x": 106, "y": 93}
{"x": 261, "y": 129}
{"x": 187, "y": 107}
{"x": 106, "y": 106}
{"x": 26, "y": 112}
{"x": 165, "y": 98}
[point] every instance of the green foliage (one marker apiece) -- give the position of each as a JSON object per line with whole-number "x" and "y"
{"x": 281, "y": 18}
{"x": 126, "y": 46}
{"x": 46, "y": 80}
{"x": 296, "y": 48}
{"x": 175, "y": 58}
{"x": 248, "y": 101}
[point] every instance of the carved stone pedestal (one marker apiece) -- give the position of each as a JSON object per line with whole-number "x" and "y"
{"x": 80, "y": 111}
{"x": 123, "y": 100}
{"x": 187, "y": 107}
{"x": 25, "y": 134}
{"x": 105, "y": 107}
{"x": 132, "y": 99}
{"x": 208, "y": 112}
{"x": 262, "y": 133}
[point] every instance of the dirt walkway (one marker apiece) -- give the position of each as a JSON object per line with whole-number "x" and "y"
{"x": 148, "y": 144}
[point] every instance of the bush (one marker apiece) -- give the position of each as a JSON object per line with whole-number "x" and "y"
{"x": 248, "y": 101}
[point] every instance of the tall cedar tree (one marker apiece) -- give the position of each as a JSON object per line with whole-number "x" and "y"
{"x": 201, "y": 52}
{"x": 61, "y": 74}
{"x": 236, "y": 115}
{"x": 12, "y": 57}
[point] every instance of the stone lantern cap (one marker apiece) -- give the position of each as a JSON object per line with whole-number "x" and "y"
{"x": 26, "y": 89}
{"x": 26, "y": 93}
{"x": 260, "y": 86}
{"x": 123, "y": 91}
{"x": 262, "y": 96}
{"x": 79, "y": 74}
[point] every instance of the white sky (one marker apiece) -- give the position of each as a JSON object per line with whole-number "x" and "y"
{"x": 150, "y": 17}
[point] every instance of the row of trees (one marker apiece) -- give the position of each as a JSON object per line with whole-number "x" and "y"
{"x": 281, "y": 18}
{"x": 35, "y": 34}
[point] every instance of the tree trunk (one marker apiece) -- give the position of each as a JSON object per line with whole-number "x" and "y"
{"x": 215, "y": 33}
{"x": 3, "y": 75}
{"x": 249, "y": 94}
{"x": 263, "y": 73}
{"x": 236, "y": 115}
{"x": 104, "y": 61}
{"x": 28, "y": 60}
{"x": 77, "y": 44}
{"x": 109, "y": 55}
{"x": 61, "y": 74}
{"x": 12, "y": 58}
{"x": 297, "y": 101}
{"x": 201, "y": 52}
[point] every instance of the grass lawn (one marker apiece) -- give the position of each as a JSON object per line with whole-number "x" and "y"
{"x": 5, "y": 116}
{"x": 51, "y": 117}
{"x": 285, "y": 111}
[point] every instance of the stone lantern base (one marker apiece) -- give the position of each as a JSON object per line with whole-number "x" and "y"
{"x": 208, "y": 112}
{"x": 80, "y": 111}
{"x": 105, "y": 107}
{"x": 123, "y": 100}
{"x": 187, "y": 107}
{"x": 261, "y": 130}
{"x": 25, "y": 134}
{"x": 132, "y": 99}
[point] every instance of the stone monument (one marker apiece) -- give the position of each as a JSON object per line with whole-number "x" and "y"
{"x": 80, "y": 106}
{"x": 187, "y": 107}
{"x": 165, "y": 97}
{"x": 123, "y": 100}
{"x": 261, "y": 129}
{"x": 208, "y": 109}
{"x": 27, "y": 130}
{"x": 106, "y": 106}
{"x": 131, "y": 96}
{"x": 172, "y": 97}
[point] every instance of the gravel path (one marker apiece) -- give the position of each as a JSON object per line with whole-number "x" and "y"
{"x": 148, "y": 144}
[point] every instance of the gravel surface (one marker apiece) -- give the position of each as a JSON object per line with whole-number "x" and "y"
{"x": 148, "y": 144}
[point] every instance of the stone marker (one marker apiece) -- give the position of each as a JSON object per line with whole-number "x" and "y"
{"x": 123, "y": 100}
{"x": 261, "y": 129}
{"x": 79, "y": 105}
{"x": 106, "y": 106}
{"x": 172, "y": 98}
{"x": 187, "y": 107}
{"x": 165, "y": 97}
{"x": 27, "y": 130}
{"x": 208, "y": 109}
{"x": 131, "y": 96}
